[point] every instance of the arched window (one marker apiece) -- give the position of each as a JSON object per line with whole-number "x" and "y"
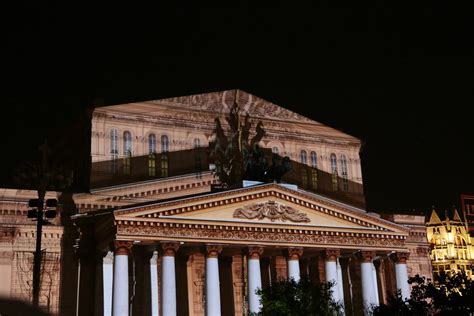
{"x": 197, "y": 143}
{"x": 345, "y": 181}
{"x": 165, "y": 144}
{"x": 334, "y": 172}
{"x": 127, "y": 143}
{"x": 151, "y": 143}
{"x": 114, "y": 149}
{"x": 303, "y": 157}
{"x": 275, "y": 150}
{"x": 314, "y": 160}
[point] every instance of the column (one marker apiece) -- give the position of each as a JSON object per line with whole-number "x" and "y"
{"x": 369, "y": 293}
{"x": 154, "y": 284}
{"x": 330, "y": 266}
{"x": 213, "y": 297}
{"x": 107, "y": 282}
{"x": 376, "y": 287}
{"x": 168, "y": 278}
{"x": 255, "y": 280}
{"x": 294, "y": 255}
{"x": 121, "y": 302}
{"x": 340, "y": 284}
{"x": 401, "y": 273}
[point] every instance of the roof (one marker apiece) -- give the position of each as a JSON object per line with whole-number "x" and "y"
{"x": 220, "y": 103}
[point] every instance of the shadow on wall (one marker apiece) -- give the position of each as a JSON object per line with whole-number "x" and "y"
{"x": 9, "y": 307}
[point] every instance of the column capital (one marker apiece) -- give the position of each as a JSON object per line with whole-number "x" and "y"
{"x": 400, "y": 257}
{"x": 255, "y": 252}
{"x": 366, "y": 256}
{"x": 331, "y": 254}
{"x": 169, "y": 248}
{"x": 213, "y": 251}
{"x": 122, "y": 247}
{"x": 295, "y": 253}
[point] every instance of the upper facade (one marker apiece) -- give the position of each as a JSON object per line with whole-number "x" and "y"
{"x": 127, "y": 134}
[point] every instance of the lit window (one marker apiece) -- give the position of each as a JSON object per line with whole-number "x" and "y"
{"x": 127, "y": 143}
{"x": 165, "y": 144}
{"x": 303, "y": 157}
{"x": 314, "y": 179}
{"x": 304, "y": 178}
{"x": 345, "y": 181}
{"x": 164, "y": 166}
{"x": 314, "y": 160}
{"x": 197, "y": 143}
{"x": 151, "y": 143}
{"x": 334, "y": 172}
{"x": 114, "y": 149}
{"x": 151, "y": 165}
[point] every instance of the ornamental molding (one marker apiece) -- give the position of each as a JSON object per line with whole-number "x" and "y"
{"x": 271, "y": 210}
{"x": 272, "y": 191}
{"x": 208, "y": 233}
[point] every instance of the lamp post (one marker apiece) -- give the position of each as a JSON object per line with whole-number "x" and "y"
{"x": 42, "y": 175}
{"x": 38, "y": 215}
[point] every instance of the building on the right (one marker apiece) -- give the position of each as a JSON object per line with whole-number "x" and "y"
{"x": 467, "y": 205}
{"x": 451, "y": 244}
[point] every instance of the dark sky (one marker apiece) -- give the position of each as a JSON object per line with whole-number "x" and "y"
{"x": 398, "y": 77}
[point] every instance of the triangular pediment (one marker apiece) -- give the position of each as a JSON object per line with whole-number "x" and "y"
{"x": 268, "y": 205}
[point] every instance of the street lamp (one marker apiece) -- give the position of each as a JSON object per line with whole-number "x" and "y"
{"x": 37, "y": 214}
{"x": 42, "y": 175}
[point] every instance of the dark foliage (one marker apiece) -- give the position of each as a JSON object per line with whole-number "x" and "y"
{"x": 451, "y": 294}
{"x": 290, "y": 298}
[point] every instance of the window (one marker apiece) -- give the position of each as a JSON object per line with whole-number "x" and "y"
{"x": 314, "y": 179}
{"x": 127, "y": 143}
{"x": 345, "y": 181}
{"x": 334, "y": 171}
{"x": 197, "y": 143}
{"x": 151, "y": 165}
{"x": 303, "y": 157}
{"x": 164, "y": 166}
{"x": 114, "y": 149}
{"x": 304, "y": 178}
{"x": 314, "y": 159}
{"x": 165, "y": 144}
{"x": 151, "y": 144}
{"x": 275, "y": 150}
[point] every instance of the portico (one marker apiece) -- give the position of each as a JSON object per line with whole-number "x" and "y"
{"x": 213, "y": 251}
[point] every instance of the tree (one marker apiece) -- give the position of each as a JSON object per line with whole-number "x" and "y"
{"x": 302, "y": 298}
{"x": 451, "y": 294}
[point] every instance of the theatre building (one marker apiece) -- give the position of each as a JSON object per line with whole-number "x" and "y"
{"x": 161, "y": 235}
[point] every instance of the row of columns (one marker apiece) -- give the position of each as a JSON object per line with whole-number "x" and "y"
{"x": 116, "y": 302}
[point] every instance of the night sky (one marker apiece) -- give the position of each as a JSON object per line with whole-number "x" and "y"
{"x": 400, "y": 78}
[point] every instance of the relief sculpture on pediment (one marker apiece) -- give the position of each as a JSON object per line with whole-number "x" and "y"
{"x": 273, "y": 211}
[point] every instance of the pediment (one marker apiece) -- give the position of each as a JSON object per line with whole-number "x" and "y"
{"x": 269, "y": 205}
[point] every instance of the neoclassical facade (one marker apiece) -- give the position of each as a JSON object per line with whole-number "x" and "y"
{"x": 158, "y": 235}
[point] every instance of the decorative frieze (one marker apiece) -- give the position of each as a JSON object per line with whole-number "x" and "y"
{"x": 273, "y": 211}
{"x": 210, "y": 232}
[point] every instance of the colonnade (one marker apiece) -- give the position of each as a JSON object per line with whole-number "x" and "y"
{"x": 164, "y": 298}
